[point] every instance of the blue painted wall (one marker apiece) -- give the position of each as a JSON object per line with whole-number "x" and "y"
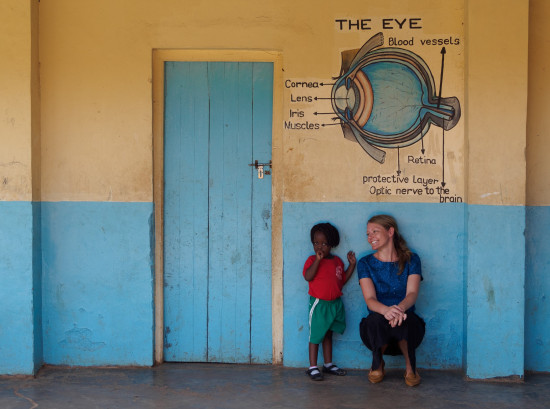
{"x": 97, "y": 283}
{"x": 537, "y": 289}
{"x": 37, "y": 285}
{"x": 17, "y": 309}
{"x": 77, "y": 284}
{"x": 495, "y": 276}
{"x": 434, "y": 231}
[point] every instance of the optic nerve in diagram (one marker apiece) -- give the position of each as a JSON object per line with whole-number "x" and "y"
{"x": 385, "y": 98}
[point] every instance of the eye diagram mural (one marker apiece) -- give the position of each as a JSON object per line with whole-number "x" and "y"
{"x": 386, "y": 98}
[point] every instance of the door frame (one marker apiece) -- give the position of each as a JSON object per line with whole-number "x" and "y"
{"x": 160, "y": 56}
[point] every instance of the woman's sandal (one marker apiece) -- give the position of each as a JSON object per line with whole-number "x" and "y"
{"x": 377, "y": 375}
{"x": 334, "y": 370}
{"x": 412, "y": 379}
{"x": 315, "y": 374}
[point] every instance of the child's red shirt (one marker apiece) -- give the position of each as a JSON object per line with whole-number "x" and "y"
{"x": 329, "y": 280}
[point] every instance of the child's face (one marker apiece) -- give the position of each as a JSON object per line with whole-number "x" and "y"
{"x": 320, "y": 244}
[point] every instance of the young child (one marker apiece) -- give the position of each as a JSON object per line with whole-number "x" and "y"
{"x": 326, "y": 277}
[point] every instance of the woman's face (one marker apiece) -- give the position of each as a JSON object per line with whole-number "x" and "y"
{"x": 378, "y": 237}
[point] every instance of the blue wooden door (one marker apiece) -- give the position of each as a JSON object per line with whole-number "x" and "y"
{"x": 217, "y": 212}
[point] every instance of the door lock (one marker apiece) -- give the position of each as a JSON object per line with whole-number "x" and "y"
{"x": 260, "y": 168}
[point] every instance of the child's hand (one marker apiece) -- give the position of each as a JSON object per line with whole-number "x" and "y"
{"x": 351, "y": 267}
{"x": 351, "y": 257}
{"x": 319, "y": 255}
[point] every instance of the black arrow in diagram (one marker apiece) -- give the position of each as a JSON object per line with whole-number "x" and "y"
{"x": 324, "y": 85}
{"x": 329, "y": 124}
{"x": 398, "y": 162}
{"x": 443, "y": 160}
{"x": 323, "y": 113}
{"x": 443, "y": 52}
{"x": 316, "y": 98}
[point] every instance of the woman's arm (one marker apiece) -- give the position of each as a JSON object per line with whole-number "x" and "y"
{"x": 369, "y": 293}
{"x": 413, "y": 286}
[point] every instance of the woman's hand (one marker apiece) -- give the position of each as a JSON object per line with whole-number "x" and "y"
{"x": 398, "y": 321}
{"x": 395, "y": 315}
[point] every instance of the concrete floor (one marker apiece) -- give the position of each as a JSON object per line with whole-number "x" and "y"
{"x": 259, "y": 386}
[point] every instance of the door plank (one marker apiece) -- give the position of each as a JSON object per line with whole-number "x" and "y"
{"x": 230, "y": 195}
{"x": 261, "y": 330}
{"x": 186, "y": 200}
{"x": 242, "y": 256}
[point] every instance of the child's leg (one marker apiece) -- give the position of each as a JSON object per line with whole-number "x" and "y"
{"x": 317, "y": 328}
{"x": 329, "y": 366}
{"x": 313, "y": 352}
{"x": 314, "y": 372}
{"x": 337, "y": 318}
{"x": 327, "y": 347}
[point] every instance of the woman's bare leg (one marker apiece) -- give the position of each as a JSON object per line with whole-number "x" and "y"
{"x": 405, "y": 351}
{"x": 382, "y": 350}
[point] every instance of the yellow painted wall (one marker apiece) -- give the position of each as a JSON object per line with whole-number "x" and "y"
{"x": 96, "y": 74}
{"x": 538, "y": 117}
{"x": 496, "y": 101}
{"x": 35, "y": 107}
{"x": 15, "y": 100}
{"x": 96, "y": 92}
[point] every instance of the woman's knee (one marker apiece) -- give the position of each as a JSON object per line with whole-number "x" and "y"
{"x": 371, "y": 328}
{"x": 374, "y": 320}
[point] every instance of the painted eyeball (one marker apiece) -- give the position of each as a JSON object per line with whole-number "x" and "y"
{"x": 385, "y": 97}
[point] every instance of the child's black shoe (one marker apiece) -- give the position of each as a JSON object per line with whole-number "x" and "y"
{"x": 334, "y": 370}
{"x": 315, "y": 374}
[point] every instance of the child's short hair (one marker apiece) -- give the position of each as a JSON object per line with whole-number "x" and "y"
{"x": 330, "y": 232}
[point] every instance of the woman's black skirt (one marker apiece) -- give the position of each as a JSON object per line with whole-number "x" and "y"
{"x": 376, "y": 332}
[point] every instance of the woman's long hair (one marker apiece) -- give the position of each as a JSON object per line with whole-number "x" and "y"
{"x": 403, "y": 252}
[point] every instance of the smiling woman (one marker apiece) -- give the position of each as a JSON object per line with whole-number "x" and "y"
{"x": 390, "y": 281}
